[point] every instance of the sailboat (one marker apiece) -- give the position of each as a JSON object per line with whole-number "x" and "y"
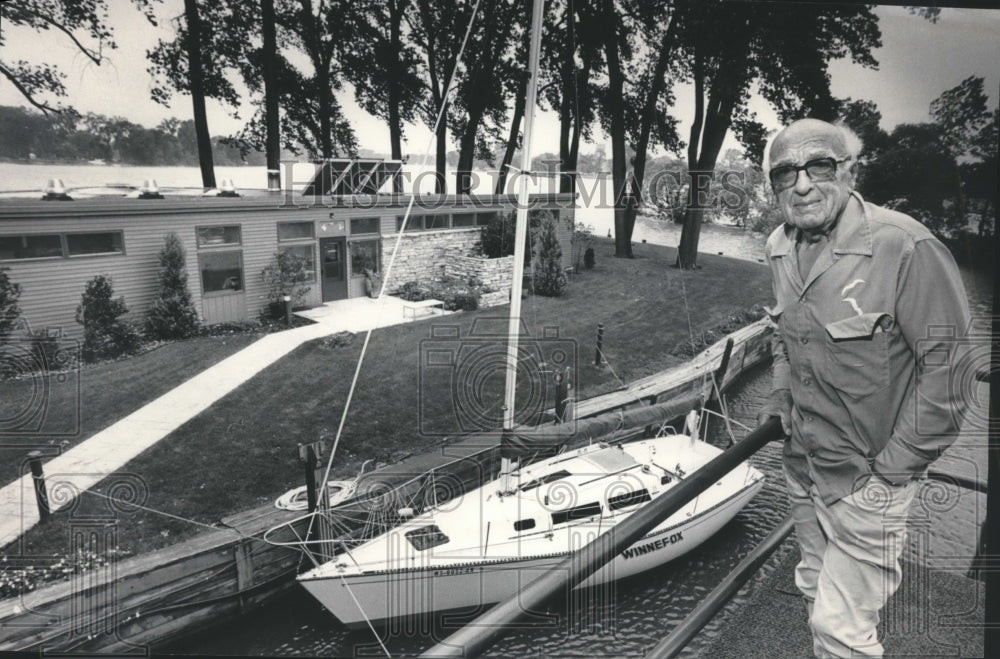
{"x": 485, "y": 545}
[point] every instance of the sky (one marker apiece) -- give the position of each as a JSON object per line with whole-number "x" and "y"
{"x": 917, "y": 62}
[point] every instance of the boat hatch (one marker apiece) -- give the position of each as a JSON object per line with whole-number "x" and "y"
{"x": 524, "y": 524}
{"x": 610, "y": 460}
{"x": 547, "y": 478}
{"x": 577, "y": 512}
{"x": 426, "y": 537}
{"x": 627, "y": 499}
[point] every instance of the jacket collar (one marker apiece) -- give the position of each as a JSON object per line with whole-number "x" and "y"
{"x": 852, "y": 235}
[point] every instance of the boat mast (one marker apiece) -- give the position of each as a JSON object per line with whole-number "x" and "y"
{"x": 508, "y": 465}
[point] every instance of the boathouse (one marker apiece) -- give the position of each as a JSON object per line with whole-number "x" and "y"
{"x": 53, "y": 248}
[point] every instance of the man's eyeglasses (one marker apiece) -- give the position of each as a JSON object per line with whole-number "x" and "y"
{"x": 821, "y": 169}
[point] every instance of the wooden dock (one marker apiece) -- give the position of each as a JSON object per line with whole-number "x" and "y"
{"x": 127, "y": 605}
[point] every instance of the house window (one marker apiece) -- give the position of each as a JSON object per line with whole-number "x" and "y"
{"x": 30, "y": 247}
{"x": 415, "y": 223}
{"x": 221, "y": 272}
{"x": 296, "y": 231}
{"x": 463, "y": 220}
{"x": 50, "y": 246}
{"x": 364, "y": 225}
{"x": 436, "y": 221}
{"x": 484, "y": 218}
{"x": 426, "y": 537}
{"x": 218, "y": 236}
{"x": 364, "y": 256}
{"x": 221, "y": 266}
{"x": 307, "y": 255}
{"x": 81, "y": 244}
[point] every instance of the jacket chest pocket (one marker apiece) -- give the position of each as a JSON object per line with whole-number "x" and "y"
{"x": 857, "y": 354}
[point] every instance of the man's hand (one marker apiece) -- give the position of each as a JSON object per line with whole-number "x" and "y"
{"x": 779, "y": 404}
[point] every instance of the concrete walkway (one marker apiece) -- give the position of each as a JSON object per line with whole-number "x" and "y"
{"x": 109, "y": 450}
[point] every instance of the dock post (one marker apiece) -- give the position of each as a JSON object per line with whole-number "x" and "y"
{"x": 41, "y": 494}
{"x": 562, "y": 392}
{"x": 307, "y": 454}
{"x": 598, "y": 353}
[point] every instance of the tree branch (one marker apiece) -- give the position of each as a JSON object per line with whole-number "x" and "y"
{"x": 45, "y": 108}
{"x": 94, "y": 56}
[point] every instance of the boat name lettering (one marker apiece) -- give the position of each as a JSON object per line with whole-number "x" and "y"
{"x": 639, "y": 550}
{"x": 454, "y": 570}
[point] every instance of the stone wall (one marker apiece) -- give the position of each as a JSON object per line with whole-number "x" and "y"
{"x": 424, "y": 256}
{"x": 495, "y": 275}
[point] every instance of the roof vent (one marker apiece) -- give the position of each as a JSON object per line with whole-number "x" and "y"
{"x": 56, "y": 191}
{"x": 150, "y": 190}
{"x": 228, "y": 188}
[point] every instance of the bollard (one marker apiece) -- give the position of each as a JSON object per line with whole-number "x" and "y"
{"x": 41, "y": 494}
{"x": 598, "y": 354}
{"x": 288, "y": 310}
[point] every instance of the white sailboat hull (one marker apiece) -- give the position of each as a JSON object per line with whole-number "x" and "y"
{"x": 406, "y": 583}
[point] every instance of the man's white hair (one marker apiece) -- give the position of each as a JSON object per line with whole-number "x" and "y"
{"x": 852, "y": 143}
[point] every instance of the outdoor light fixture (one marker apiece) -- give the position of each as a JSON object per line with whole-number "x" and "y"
{"x": 228, "y": 189}
{"x": 150, "y": 190}
{"x": 56, "y": 191}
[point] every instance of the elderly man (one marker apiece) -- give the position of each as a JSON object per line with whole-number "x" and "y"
{"x": 869, "y": 304}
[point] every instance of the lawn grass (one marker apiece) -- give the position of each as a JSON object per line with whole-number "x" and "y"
{"x": 88, "y": 400}
{"x": 241, "y": 453}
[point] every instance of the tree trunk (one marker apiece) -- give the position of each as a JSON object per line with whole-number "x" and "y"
{"x": 325, "y": 107}
{"x": 394, "y": 81}
{"x": 467, "y": 151}
{"x": 616, "y": 109}
{"x": 272, "y": 141}
{"x": 515, "y": 129}
{"x": 657, "y": 83}
{"x": 727, "y": 86}
{"x": 441, "y": 158}
{"x": 197, "y": 80}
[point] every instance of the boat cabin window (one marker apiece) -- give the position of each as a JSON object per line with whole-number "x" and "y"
{"x": 577, "y": 512}
{"x": 426, "y": 537}
{"x": 547, "y": 478}
{"x": 524, "y": 524}
{"x": 627, "y": 499}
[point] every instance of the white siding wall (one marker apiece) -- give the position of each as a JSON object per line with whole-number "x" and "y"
{"x": 52, "y": 287}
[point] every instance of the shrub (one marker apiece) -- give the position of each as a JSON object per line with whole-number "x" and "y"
{"x": 413, "y": 291}
{"x": 10, "y": 293}
{"x": 583, "y": 238}
{"x": 496, "y": 239}
{"x": 105, "y": 333}
{"x": 549, "y": 278}
{"x": 457, "y": 295}
{"x": 285, "y": 276}
{"x": 172, "y": 315}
